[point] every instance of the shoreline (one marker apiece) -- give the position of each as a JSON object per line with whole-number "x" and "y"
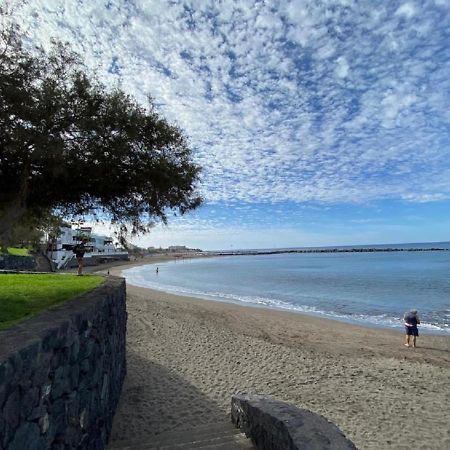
{"x": 118, "y": 268}
{"x": 187, "y": 356}
{"x": 438, "y": 344}
{"x": 440, "y": 341}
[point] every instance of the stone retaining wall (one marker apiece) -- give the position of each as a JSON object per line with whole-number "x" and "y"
{"x": 10, "y": 262}
{"x": 61, "y": 373}
{"x": 275, "y": 425}
{"x": 97, "y": 260}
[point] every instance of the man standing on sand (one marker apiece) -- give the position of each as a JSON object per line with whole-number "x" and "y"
{"x": 411, "y": 320}
{"x": 80, "y": 250}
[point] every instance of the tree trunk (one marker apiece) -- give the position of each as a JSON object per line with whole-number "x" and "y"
{"x": 13, "y": 211}
{"x": 9, "y": 216}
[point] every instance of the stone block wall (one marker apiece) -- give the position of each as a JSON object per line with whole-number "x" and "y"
{"x": 10, "y": 262}
{"x": 275, "y": 425}
{"x": 61, "y": 373}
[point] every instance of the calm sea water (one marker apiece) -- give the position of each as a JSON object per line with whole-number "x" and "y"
{"x": 373, "y": 289}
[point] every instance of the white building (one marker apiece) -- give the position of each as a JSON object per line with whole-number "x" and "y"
{"x": 98, "y": 249}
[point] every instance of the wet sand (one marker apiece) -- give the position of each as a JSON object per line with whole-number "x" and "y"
{"x": 186, "y": 357}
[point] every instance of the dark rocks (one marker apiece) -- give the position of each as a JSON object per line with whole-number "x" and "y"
{"x": 11, "y": 409}
{"x": 27, "y": 436}
{"x": 61, "y": 373}
{"x": 275, "y": 425}
{"x": 30, "y": 399}
{"x": 10, "y": 262}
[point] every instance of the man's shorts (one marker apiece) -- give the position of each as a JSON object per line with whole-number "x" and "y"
{"x": 412, "y": 331}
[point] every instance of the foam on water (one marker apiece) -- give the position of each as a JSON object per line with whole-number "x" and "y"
{"x": 143, "y": 276}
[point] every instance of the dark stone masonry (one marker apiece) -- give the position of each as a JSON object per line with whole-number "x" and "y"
{"x": 276, "y": 425}
{"x": 10, "y": 262}
{"x": 61, "y": 373}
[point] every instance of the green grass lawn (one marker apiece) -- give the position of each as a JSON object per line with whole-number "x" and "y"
{"x": 15, "y": 251}
{"x": 25, "y": 295}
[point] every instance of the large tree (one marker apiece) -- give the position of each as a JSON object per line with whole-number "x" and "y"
{"x": 69, "y": 144}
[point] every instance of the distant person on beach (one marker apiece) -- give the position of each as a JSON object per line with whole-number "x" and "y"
{"x": 157, "y": 270}
{"x": 411, "y": 320}
{"x": 80, "y": 250}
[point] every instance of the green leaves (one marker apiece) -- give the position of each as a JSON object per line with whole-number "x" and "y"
{"x": 68, "y": 142}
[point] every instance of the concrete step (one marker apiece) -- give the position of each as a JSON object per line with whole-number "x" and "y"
{"x": 221, "y": 436}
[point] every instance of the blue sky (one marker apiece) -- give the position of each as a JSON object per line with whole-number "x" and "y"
{"x": 316, "y": 123}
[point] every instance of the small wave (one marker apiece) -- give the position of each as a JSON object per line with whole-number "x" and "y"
{"x": 137, "y": 277}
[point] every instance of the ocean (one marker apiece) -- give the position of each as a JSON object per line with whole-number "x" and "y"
{"x": 372, "y": 289}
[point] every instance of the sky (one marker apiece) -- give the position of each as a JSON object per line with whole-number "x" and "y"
{"x": 316, "y": 122}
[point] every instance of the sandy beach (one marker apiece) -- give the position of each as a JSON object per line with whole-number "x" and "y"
{"x": 186, "y": 357}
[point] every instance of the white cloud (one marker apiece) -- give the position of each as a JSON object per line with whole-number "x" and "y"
{"x": 233, "y": 238}
{"x": 342, "y": 67}
{"x": 407, "y": 10}
{"x": 289, "y": 101}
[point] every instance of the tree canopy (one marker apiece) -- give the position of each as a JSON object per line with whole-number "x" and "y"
{"x": 69, "y": 144}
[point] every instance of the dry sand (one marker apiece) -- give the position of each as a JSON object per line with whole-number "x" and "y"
{"x": 186, "y": 357}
